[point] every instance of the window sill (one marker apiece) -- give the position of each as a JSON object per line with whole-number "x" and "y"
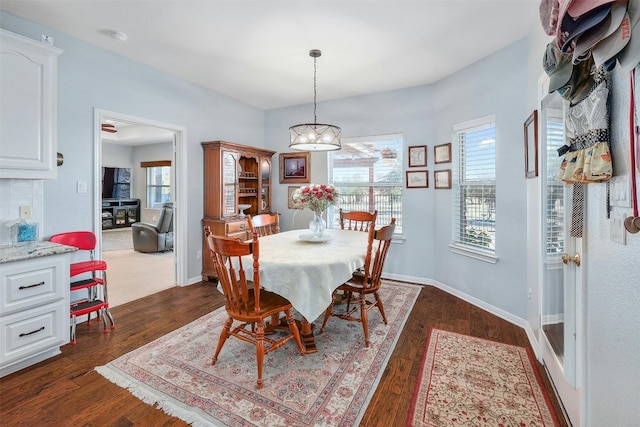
{"x": 474, "y": 253}
{"x": 397, "y": 238}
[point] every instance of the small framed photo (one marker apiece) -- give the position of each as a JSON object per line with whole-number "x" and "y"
{"x": 417, "y": 179}
{"x": 531, "y": 145}
{"x": 417, "y": 156}
{"x": 291, "y": 204}
{"x": 295, "y": 168}
{"x": 442, "y": 179}
{"x": 442, "y": 153}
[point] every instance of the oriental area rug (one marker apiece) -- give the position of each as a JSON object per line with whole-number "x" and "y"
{"x": 329, "y": 388}
{"x": 467, "y": 381}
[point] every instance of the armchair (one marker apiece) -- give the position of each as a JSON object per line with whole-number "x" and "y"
{"x": 155, "y": 238}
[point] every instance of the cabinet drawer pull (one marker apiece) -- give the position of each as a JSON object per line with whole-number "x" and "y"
{"x": 31, "y": 286}
{"x": 243, "y": 226}
{"x": 24, "y": 334}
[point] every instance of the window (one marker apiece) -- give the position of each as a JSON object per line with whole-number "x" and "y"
{"x": 474, "y": 186}
{"x": 554, "y": 188}
{"x": 368, "y": 172}
{"x": 158, "y": 184}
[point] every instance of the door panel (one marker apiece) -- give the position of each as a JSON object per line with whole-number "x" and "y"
{"x": 560, "y": 297}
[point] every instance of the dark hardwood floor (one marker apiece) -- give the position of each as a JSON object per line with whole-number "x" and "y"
{"x": 66, "y": 391}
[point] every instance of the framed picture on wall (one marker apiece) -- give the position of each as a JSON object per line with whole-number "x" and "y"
{"x": 295, "y": 168}
{"x": 417, "y": 179}
{"x": 290, "y": 203}
{"x": 417, "y": 156}
{"x": 442, "y": 153}
{"x": 442, "y": 179}
{"x": 531, "y": 145}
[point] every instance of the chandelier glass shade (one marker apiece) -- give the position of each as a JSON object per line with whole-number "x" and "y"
{"x": 315, "y": 136}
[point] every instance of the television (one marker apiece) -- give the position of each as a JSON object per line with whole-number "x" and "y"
{"x": 116, "y": 183}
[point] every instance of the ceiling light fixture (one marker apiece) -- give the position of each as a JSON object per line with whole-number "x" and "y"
{"x": 118, "y": 36}
{"x": 315, "y": 136}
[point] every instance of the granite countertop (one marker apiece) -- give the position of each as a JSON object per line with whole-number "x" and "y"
{"x": 32, "y": 250}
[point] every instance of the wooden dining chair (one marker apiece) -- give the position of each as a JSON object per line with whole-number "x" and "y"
{"x": 368, "y": 283}
{"x": 358, "y": 220}
{"x": 245, "y": 302}
{"x": 266, "y": 224}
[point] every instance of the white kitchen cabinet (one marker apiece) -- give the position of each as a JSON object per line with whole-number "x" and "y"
{"x": 28, "y": 110}
{"x": 34, "y": 310}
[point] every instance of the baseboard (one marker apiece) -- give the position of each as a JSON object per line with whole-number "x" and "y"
{"x": 518, "y": 321}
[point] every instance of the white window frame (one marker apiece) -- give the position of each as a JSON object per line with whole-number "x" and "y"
{"x": 383, "y": 219}
{"x": 461, "y": 245}
{"x": 152, "y": 204}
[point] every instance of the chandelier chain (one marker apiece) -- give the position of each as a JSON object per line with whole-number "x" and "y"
{"x": 315, "y": 119}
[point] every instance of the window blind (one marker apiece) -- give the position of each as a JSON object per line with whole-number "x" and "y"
{"x": 474, "y": 184}
{"x": 554, "y": 202}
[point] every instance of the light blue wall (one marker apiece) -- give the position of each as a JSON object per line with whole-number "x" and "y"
{"x": 407, "y": 111}
{"x": 146, "y": 153}
{"x": 90, "y": 77}
{"x": 504, "y": 84}
{"x": 114, "y": 155}
{"x": 612, "y": 289}
{"x": 425, "y": 115}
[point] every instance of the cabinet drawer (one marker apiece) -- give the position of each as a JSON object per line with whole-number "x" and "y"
{"x": 29, "y": 332}
{"x": 242, "y": 235}
{"x": 31, "y": 283}
{"x": 234, "y": 227}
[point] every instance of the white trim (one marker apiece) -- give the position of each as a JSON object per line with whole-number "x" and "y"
{"x": 481, "y": 122}
{"x": 518, "y": 321}
{"x": 384, "y": 137}
{"x": 474, "y": 253}
{"x": 180, "y": 196}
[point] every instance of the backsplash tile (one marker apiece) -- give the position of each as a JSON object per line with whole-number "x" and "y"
{"x": 13, "y": 194}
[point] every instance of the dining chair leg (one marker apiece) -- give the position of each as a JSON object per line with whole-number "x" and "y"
{"x": 260, "y": 350}
{"x": 327, "y": 312}
{"x": 294, "y": 331}
{"x": 224, "y": 334}
{"x": 364, "y": 319}
{"x": 348, "y": 294}
{"x": 380, "y": 307}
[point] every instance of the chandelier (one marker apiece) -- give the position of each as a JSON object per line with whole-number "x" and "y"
{"x": 314, "y": 136}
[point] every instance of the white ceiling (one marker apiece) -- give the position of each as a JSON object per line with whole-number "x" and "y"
{"x": 257, "y": 51}
{"x": 135, "y": 134}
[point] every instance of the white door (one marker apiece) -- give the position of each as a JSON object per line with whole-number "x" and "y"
{"x": 561, "y": 275}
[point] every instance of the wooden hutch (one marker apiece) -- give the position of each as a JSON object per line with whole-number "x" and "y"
{"x": 234, "y": 175}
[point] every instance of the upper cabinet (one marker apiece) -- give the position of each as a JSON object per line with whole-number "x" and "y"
{"x": 236, "y": 175}
{"x": 28, "y": 114}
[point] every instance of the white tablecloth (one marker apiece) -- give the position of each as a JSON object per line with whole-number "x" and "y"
{"x": 307, "y": 273}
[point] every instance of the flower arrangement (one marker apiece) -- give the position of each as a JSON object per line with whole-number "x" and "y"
{"x": 316, "y": 197}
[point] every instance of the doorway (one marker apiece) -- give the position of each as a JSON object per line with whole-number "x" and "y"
{"x": 140, "y": 132}
{"x": 560, "y": 308}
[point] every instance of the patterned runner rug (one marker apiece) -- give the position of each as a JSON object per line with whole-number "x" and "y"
{"x": 472, "y": 381}
{"x": 329, "y": 388}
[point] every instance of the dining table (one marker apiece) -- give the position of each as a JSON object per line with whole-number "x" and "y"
{"x": 306, "y": 270}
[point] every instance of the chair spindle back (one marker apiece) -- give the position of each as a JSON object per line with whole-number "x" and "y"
{"x": 358, "y": 220}
{"x": 227, "y": 256}
{"x": 377, "y": 254}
